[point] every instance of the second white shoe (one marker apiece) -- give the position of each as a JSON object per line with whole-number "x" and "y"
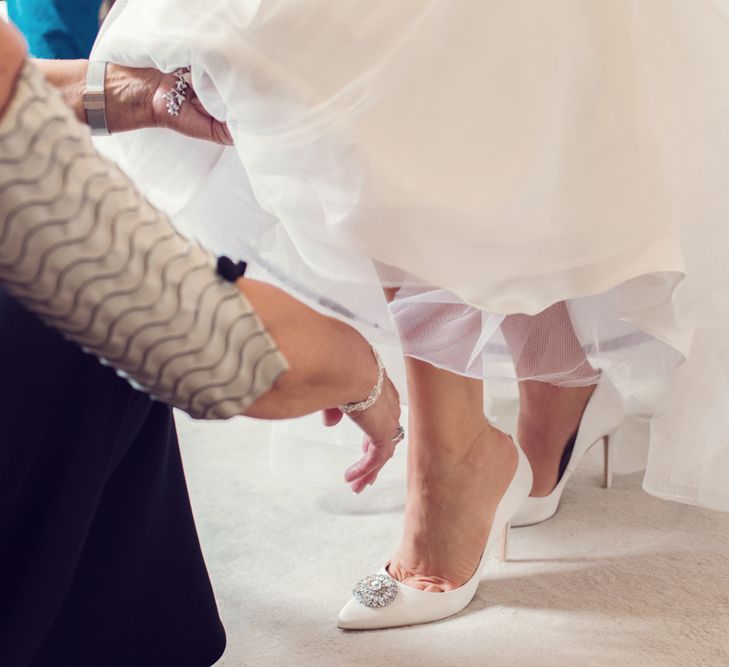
{"x": 378, "y": 601}
{"x": 603, "y": 413}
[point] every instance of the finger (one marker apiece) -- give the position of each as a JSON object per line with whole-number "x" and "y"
{"x": 362, "y": 467}
{"x": 331, "y": 416}
{"x": 357, "y": 486}
{"x": 219, "y": 129}
{"x": 194, "y": 124}
{"x": 374, "y": 458}
{"x": 195, "y": 101}
{"x": 370, "y": 479}
{"x": 228, "y": 136}
{"x": 360, "y": 484}
{"x": 220, "y": 133}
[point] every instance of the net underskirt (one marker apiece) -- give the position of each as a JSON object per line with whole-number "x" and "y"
{"x": 546, "y": 183}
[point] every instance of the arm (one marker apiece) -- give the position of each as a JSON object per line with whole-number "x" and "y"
{"x": 334, "y": 364}
{"x": 12, "y": 55}
{"x": 329, "y": 361}
{"x": 134, "y": 96}
{"x": 134, "y": 99}
{"x": 114, "y": 276}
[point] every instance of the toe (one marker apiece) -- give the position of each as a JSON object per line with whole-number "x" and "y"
{"x": 355, "y": 616}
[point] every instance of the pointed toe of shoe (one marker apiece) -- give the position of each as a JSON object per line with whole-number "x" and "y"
{"x": 355, "y": 616}
{"x": 411, "y": 607}
{"x": 389, "y": 608}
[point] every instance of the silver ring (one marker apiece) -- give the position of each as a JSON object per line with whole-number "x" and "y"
{"x": 399, "y": 435}
{"x": 176, "y": 96}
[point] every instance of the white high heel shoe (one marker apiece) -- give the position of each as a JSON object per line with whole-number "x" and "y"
{"x": 381, "y": 602}
{"x": 603, "y": 413}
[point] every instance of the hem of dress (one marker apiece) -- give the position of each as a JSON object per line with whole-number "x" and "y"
{"x": 596, "y": 288}
{"x": 686, "y": 495}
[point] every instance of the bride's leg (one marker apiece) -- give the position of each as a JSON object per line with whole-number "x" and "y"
{"x": 545, "y": 346}
{"x": 459, "y": 467}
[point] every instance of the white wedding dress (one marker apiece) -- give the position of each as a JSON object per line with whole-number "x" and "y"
{"x": 491, "y": 158}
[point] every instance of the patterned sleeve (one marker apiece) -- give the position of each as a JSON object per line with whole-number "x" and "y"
{"x": 81, "y": 248}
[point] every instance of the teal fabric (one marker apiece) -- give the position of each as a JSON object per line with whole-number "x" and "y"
{"x": 57, "y": 28}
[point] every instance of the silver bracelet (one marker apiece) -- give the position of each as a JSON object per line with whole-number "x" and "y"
{"x": 368, "y": 402}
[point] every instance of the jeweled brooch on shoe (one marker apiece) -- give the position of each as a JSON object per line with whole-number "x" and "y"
{"x": 376, "y": 590}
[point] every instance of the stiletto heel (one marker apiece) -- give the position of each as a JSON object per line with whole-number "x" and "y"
{"x": 603, "y": 414}
{"x": 607, "y": 475}
{"x": 504, "y": 544}
{"x": 379, "y": 601}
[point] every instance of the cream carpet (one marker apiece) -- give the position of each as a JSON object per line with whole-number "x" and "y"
{"x": 616, "y": 578}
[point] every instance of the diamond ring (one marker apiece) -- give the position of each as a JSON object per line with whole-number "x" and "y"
{"x": 399, "y": 435}
{"x": 176, "y": 96}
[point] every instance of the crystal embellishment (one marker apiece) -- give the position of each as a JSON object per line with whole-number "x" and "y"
{"x": 375, "y": 591}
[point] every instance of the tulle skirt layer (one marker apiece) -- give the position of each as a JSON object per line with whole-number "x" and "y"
{"x": 546, "y": 183}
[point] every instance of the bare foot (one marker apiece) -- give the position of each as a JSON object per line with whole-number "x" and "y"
{"x": 452, "y": 497}
{"x": 548, "y": 418}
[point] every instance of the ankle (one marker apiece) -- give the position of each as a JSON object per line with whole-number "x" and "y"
{"x": 541, "y": 402}
{"x": 441, "y": 464}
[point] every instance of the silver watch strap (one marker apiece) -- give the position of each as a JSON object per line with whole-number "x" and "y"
{"x": 95, "y": 98}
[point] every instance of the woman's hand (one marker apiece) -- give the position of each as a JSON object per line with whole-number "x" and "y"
{"x": 380, "y": 423}
{"x": 193, "y": 120}
{"x": 330, "y": 364}
{"x": 135, "y": 98}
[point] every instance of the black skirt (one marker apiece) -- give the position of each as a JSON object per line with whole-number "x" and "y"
{"x": 100, "y": 563}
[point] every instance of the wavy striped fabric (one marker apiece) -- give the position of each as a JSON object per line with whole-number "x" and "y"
{"x": 81, "y": 248}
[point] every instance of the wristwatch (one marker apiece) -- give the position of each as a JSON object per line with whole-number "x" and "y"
{"x": 95, "y": 98}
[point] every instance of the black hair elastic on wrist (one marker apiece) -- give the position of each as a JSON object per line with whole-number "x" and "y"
{"x": 230, "y": 270}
